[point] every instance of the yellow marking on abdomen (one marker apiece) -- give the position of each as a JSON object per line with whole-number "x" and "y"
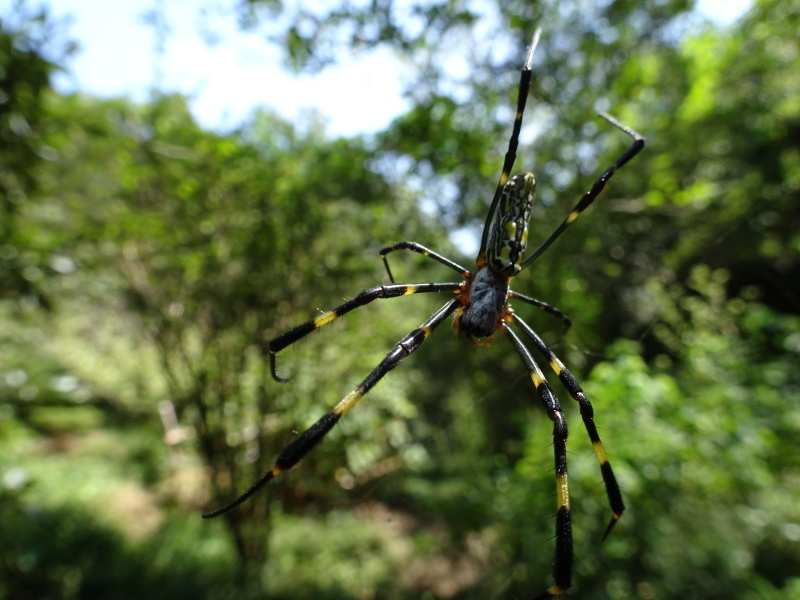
{"x": 557, "y": 366}
{"x": 409, "y": 290}
{"x": 572, "y": 216}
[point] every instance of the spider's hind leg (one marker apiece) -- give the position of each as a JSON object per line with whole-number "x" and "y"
{"x": 597, "y": 187}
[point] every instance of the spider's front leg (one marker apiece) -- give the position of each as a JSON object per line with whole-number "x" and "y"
{"x": 562, "y": 563}
{"x": 292, "y": 454}
{"x": 375, "y": 293}
{"x": 587, "y": 414}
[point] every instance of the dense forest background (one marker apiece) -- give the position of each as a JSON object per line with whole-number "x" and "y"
{"x": 145, "y": 261}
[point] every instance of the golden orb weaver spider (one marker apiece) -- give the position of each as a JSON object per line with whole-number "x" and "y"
{"x": 481, "y": 308}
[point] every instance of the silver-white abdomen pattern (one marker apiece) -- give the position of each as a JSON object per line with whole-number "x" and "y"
{"x": 508, "y": 236}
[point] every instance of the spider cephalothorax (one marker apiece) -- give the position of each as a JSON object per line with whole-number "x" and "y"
{"x": 481, "y": 307}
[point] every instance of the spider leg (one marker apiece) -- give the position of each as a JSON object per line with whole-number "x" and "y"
{"x": 587, "y": 414}
{"x": 513, "y": 143}
{"x": 594, "y": 191}
{"x": 548, "y": 308}
{"x": 562, "y": 564}
{"x": 415, "y": 247}
{"x": 378, "y": 292}
{"x": 311, "y": 436}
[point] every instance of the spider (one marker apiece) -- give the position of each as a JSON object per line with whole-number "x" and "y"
{"x": 481, "y": 307}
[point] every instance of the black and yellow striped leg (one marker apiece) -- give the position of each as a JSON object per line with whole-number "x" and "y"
{"x": 587, "y": 414}
{"x": 548, "y": 308}
{"x": 379, "y": 292}
{"x": 513, "y": 143}
{"x": 562, "y": 564}
{"x": 415, "y": 247}
{"x": 594, "y": 191}
{"x": 311, "y": 436}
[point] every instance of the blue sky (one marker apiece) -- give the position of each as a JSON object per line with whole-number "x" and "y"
{"x": 226, "y": 81}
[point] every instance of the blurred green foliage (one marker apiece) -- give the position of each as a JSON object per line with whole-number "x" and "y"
{"x": 145, "y": 262}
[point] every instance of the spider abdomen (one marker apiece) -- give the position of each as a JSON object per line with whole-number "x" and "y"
{"x": 488, "y": 294}
{"x": 508, "y": 231}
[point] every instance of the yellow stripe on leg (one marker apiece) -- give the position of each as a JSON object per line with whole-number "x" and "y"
{"x": 562, "y": 489}
{"x": 601, "y": 453}
{"x": 348, "y": 401}
{"x": 557, "y": 366}
{"x": 326, "y": 318}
